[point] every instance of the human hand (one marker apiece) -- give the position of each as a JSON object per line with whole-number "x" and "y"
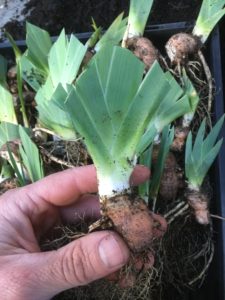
{"x": 28, "y": 213}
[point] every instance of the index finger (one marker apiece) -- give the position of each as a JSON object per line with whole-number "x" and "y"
{"x": 63, "y": 188}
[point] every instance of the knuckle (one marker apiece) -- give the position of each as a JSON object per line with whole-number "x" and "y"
{"x": 77, "y": 267}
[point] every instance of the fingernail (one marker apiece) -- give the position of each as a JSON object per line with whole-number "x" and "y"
{"x": 113, "y": 252}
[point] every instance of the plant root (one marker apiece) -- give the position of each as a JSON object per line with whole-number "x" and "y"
{"x": 203, "y": 272}
{"x": 55, "y": 159}
{"x": 41, "y": 129}
{"x": 171, "y": 212}
{"x": 181, "y": 260}
{"x": 64, "y": 154}
{"x": 61, "y": 235}
{"x": 178, "y": 213}
{"x": 186, "y": 251}
{"x": 217, "y": 217}
{"x": 208, "y": 78}
{"x": 101, "y": 224}
{"x": 196, "y": 71}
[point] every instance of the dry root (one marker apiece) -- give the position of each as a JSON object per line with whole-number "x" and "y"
{"x": 182, "y": 258}
{"x": 209, "y": 79}
{"x": 201, "y": 77}
{"x": 186, "y": 251}
{"x": 58, "y": 154}
{"x": 61, "y": 235}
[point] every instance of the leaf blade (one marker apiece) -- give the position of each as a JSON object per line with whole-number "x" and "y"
{"x": 39, "y": 44}
{"x": 30, "y": 156}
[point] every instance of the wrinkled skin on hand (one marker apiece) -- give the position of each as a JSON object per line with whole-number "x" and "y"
{"x": 27, "y": 214}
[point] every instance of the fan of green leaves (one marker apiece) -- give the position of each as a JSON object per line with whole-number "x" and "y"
{"x": 113, "y": 34}
{"x": 210, "y": 13}
{"x": 138, "y": 15}
{"x": 111, "y": 106}
{"x": 64, "y": 59}
{"x": 52, "y": 116}
{"x": 200, "y": 156}
{"x": 34, "y": 61}
{"x": 57, "y": 63}
{"x": 48, "y": 69}
{"x": 173, "y": 104}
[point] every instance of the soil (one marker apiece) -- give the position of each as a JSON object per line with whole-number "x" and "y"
{"x": 75, "y": 16}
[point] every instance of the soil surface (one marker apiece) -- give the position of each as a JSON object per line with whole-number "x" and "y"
{"x": 75, "y": 16}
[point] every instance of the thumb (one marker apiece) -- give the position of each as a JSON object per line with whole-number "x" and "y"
{"x": 82, "y": 261}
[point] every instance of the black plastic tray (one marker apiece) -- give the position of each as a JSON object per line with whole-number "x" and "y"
{"x": 214, "y": 286}
{"x": 218, "y": 269}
